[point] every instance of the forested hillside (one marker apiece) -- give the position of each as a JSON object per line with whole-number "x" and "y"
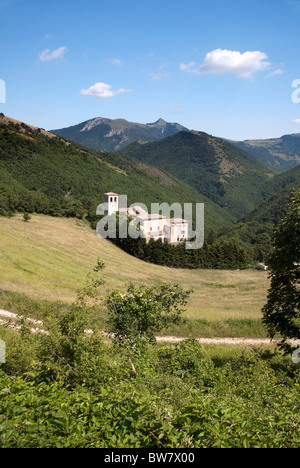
{"x": 280, "y": 154}
{"x": 43, "y": 173}
{"x": 255, "y": 233}
{"x": 227, "y": 175}
{"x": 48, "y": 175}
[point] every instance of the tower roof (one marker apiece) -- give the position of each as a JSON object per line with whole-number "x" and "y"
{"x": 112, "y": 193}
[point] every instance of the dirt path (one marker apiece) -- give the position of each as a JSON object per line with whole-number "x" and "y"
{"x": 219, "y": 341}
{"x": 6, "y": 316}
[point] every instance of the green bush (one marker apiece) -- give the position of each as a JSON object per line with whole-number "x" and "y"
{"x": 72, "y": 389}
{"x": 246, "y": 404}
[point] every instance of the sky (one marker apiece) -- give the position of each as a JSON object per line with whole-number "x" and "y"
{"x": 230, "y": 68}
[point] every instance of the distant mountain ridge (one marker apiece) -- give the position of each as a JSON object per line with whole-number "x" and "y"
{"x": 113, "y": 135}
{"x": 280, "y": 154}
{"x": 227, "y": 175}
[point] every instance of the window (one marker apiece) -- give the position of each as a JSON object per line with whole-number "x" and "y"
{"x": 115, "y": 199}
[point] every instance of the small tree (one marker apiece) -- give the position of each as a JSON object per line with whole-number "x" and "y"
{"x": 90, "y": 294}
{"x": 72, "y": 350}
{"x": 26, "y": 217}
{"x": 136, "y": 316}
{"x": 281, "y": 314}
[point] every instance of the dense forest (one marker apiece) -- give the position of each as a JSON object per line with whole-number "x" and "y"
{"x": 224, "y": 173}
{"x": 214, "y": 254}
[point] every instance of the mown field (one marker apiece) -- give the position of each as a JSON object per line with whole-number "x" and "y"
{"x": 49, "y": 259}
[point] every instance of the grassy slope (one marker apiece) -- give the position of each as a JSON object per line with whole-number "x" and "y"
{"x": 49, "y": 258}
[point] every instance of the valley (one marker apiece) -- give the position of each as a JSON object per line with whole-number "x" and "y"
{"x": 49, "y": 258}
{"x": 279, "y": 154}
{"x": 149, "y": 227}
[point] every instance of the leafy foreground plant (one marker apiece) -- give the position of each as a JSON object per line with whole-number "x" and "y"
{"x": 244, "y": 404}
{"x": 135, "y": 317}
{"x": 75, "y": 390}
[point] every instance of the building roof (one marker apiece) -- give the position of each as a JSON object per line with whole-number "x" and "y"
{"x": 136, "y": 212}
{"x": 178, "y": 221}
{"x": 155, "y": 216}
{"x": 112, "y": 193}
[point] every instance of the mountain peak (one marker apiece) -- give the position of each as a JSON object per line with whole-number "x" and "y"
{"x": 158, "y": 122}
{"x": 113, "y": 135}
{"x": 93, "y": 123}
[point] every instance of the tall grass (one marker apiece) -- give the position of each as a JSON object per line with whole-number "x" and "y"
{"x": 49, "y": 258}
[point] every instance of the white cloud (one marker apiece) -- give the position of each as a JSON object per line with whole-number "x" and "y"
{"x": 296, "y": 121}
{"x": 58, "y": 54}
{"x": 117, "y": 62}
{"x": 188, "y": 67}
{"x": 229, "y": 62}
{"x": 276, "y": 73}
{"x": 103, "y": 90}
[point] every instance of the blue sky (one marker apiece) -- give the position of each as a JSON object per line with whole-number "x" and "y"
{"x": 225, "y": 67}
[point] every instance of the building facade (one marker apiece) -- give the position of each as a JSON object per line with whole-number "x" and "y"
{"x": 111, "y": 203}
{"x": 153, "y": 226}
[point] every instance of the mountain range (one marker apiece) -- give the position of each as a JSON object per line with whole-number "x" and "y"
{"x": 113, "y": 135}
{"x": 43, "y": 173}
{"x": 229, "y": 176}
{"x": 279, "y": 154}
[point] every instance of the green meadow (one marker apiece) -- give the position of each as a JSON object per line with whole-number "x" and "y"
{"x": 48, "y": 259}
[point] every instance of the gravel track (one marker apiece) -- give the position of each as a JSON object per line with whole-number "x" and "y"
{"x": 6, "y": 316}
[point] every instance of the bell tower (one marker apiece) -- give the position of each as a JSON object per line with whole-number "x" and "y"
{"x": 111, "y": 203}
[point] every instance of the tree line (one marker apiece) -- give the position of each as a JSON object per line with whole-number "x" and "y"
{"x": 215, "y": 254}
